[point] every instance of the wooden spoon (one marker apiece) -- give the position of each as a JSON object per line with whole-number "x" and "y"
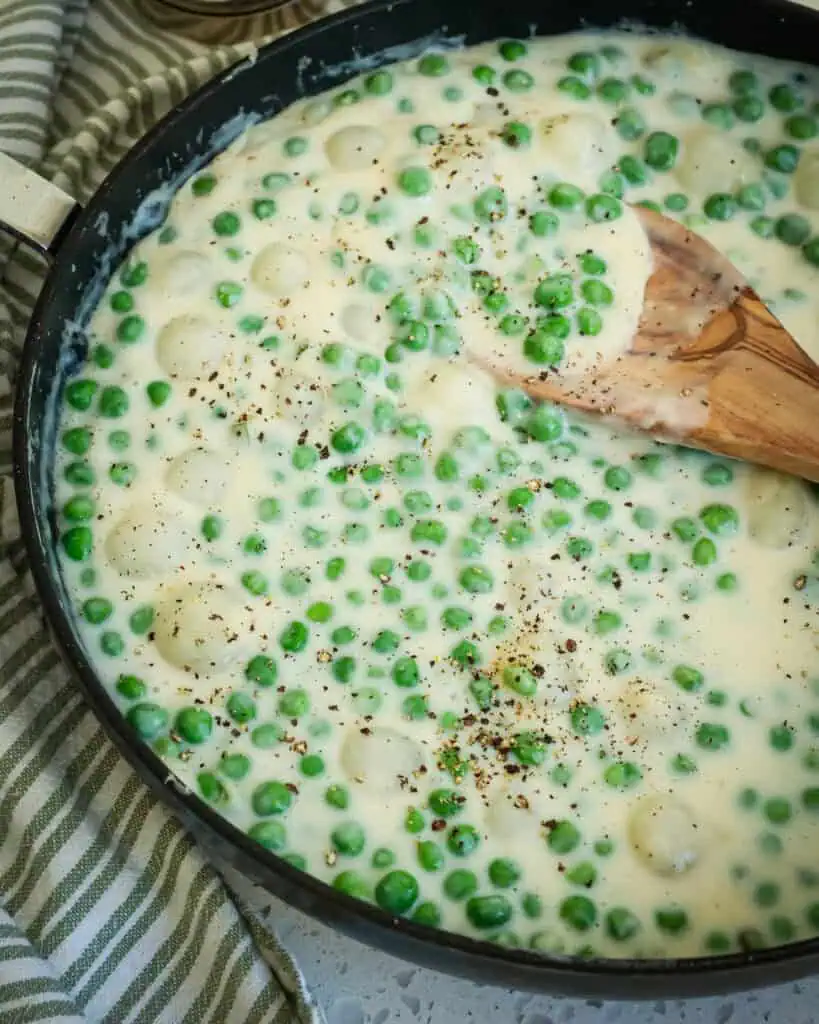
{"x": 710, "y": 366}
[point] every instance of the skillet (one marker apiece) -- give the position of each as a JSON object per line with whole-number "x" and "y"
{"x": 85, "y": 246}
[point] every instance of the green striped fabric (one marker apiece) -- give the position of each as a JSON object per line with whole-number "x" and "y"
{"x": 109, "y": 910}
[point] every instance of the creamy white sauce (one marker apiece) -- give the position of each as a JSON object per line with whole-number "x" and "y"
{"x": 222, "y": 445}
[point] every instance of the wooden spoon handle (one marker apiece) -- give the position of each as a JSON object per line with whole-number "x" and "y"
{"x": 763, "y": 392}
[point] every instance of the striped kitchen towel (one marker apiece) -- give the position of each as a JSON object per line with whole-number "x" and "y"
{"x": 109, "y": 911}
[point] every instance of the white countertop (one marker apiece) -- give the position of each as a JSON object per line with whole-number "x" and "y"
{"x": 358, "y": 985}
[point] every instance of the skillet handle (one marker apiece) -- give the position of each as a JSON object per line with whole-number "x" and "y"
{"x": 32, "y": 209}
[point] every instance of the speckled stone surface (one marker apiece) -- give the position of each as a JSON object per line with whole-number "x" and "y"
{"x": 357, "y": 985}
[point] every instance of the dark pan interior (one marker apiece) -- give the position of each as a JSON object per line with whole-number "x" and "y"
{"x": 307, "y": 62}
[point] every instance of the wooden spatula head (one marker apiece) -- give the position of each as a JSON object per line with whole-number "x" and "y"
{"x": 710, "y": 366}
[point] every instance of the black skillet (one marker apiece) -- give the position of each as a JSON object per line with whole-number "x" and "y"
{"x": 89, "y": 245}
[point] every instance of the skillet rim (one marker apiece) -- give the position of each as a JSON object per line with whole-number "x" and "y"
{"x": 457, "y": 954}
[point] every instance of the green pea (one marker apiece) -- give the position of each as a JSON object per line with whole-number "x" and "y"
{"x": 147, "y": 719}
{"x": 433, "y": 65}
{"x": 405, "y": 672}
{"x": 811, "y": 251}
{"x": 294, "y": 703}
{"x": 122, "y": 473}
{"x": 428, "y": 914}
{"x": 294, "y": 637}
{"x": 687, "y": 678}
{"x": 721, "y": 520}
{"x": 748, "y": 108}
{"x": 617, "y": 478}
{"x": 565, "y": 196}
{"x": 379, "y": 83}
{"x": 528, "y": 749}
{"x": 212, "y": 527}
{"x": 226, "y": 224}
{"x": 672, "y": 920}
{"x": 476, "y": 579}
{"x": 295, "y": 146}
{"x": 415, "y": 181}
{"x": 660, "y": 150}
{"x": 785, "y": 98}
{"x": 488, "y": 912}
{"x": 491, "y": 205}
{"x": 574, "y": 87}
{"x": 353, "y": 884}
{"x": 584, "y": 62}
{"x": 517, "y": 135}
{"x": 462, "y": 840}
{"x": 134, "y": 274}
{"x": 130, "y": 329}
{"x": 545, "y": 346}
{"x": 265, "y": 737}
{"x": 602, "y": 207}
{"x": 270, "y": 798}
{"x": 512, "y": 49}
{"x": 269, "y": 834}
{"x": 802, "y": 127}
{"x": 743, "y": 83}
{"x": 337, "y": 796}
{"x": 810, "y": 799}
{"x": 503, "y": 872}
{"x": 554, "y": 291}
{"x": 563, "y": 837}
{"x": 79, "y": 394}
{"x": 194, "y": 724}
{"x": 241, "y": 708}
{"x": 430, "y": 855}
{"x": 684, "y": 528}
{"x": 263, "y": 209}
{"x": 543, "y": 223}
{"x": 235, "y": 766}
{"x": 460, "y": 884}
{"x": 781, "y": 737}
{"x": 228, "y": 293}
{"x": 676, "y": 202}
{"x": 103, "y": 356}
{"x": 704, "y": 552}
{"x": 79, "y": 474}
{"x": 79, "y": 509}
{"x": 141, "y": 620}
{"x": 587, "y": 720}
{"x": 712, "y": 736}
{"x": 158, "y": 392}
{"x": 792, "y": 229}
{"x": 622, "y": 775}
{"x": 131, "y": 687}
{"x": 598, "y": 509}
{"x": 396, "y": 892}
{"x": 348, "y": 839}
{"x": 630, "y": 124}
{"x": 418, "y": 570}
{"x": 112, "y": 644}
{"x": 520, "y": 680}
{"x": 612, "y": 90}
{"x": 596, "y": 292}
{"x": 78, "y": 543}
{"x": 578, "y": 912}
{"x": 783, "y": 158}
{"x": 633, "y": 169}
{"x": 720, "y": 206}
{"x": 518, "y": 80}
{"x": 764, "y": 227}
